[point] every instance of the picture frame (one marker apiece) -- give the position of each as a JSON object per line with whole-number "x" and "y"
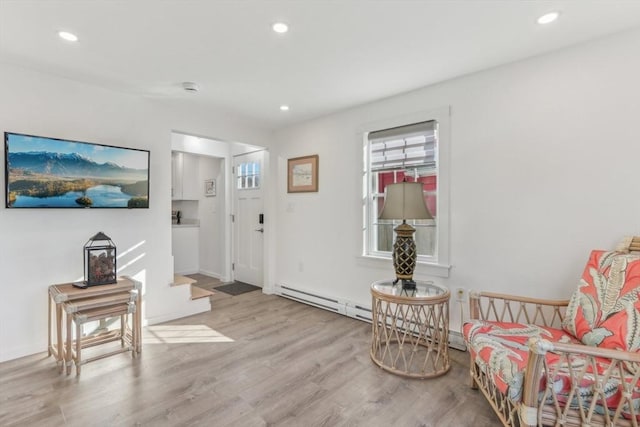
{"x": 51, "y": 173}
{"x": 209, "y": 187}
{"x": 302, "y": 175}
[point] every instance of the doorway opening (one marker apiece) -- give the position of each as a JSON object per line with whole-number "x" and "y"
{"x": 209, "y": 239}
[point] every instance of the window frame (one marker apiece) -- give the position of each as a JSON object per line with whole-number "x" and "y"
{"x": 438, "y": 265}
{"x": 240, "y": 176}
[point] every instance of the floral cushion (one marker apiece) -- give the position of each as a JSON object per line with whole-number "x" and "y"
{"x": 501, "y": 349}
{"x": 597, "y": 381}
{"x": 605, "y": 309}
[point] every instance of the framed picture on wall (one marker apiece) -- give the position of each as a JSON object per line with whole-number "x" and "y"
{"x": 45, "y": 172}
{"x": 302, "y": 174}
{"x": 210, "y": 187}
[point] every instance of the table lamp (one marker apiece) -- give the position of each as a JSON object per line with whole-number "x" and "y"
{"x": 404, "y": 200}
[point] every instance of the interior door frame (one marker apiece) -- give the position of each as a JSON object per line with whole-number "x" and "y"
{"x": 227, "y": 150}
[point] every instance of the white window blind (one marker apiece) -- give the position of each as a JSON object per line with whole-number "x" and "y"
{"x": 402, "y": 147}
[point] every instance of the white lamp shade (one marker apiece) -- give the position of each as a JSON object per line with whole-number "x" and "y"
{"x": 404, "y": 200}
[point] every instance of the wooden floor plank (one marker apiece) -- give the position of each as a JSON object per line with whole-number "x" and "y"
{"x": 281, "y": 363}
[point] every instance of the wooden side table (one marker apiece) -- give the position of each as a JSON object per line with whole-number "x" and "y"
{"x": 66, "y": 298}
{"x": 410, "y": 329}
{"x": 127, "y": 337}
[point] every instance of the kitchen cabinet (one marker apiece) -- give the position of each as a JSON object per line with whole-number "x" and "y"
{"x": 176, "y": 176}
{"x": 184, "y": 176}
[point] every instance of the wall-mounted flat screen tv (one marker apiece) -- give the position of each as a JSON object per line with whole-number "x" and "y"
{"x": 45, "y": 172}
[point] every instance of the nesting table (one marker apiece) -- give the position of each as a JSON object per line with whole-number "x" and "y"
{"x": 410, "y": 329}
{"x": 69, "y": 304}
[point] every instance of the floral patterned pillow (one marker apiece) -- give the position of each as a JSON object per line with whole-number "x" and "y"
{"x": 605, "y": 309}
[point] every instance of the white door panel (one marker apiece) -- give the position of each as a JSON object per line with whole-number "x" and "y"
{"x": 248, "y": 207}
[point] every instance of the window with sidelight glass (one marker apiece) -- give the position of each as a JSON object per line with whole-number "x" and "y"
{"x": 393, "y": 155}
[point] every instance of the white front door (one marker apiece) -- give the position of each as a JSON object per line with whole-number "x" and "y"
{"x": 248, "y": 225}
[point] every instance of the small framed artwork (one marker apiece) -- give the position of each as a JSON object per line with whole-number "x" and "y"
{"x": 302, "y": 174}
{"x": 209, "y": 187}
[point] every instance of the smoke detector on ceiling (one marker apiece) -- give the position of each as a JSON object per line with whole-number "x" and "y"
{"x": 190, "y": 87}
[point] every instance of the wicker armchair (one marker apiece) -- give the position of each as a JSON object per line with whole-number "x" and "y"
{"x": 530, "y": 360}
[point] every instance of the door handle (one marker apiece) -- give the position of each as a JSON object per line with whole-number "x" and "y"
{"x": 260, "y": 230}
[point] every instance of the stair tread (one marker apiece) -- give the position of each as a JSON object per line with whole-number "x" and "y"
{"x": 179, "y": 280}
{"x": 197, "y": 292}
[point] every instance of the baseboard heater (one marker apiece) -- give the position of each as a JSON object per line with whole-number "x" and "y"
{"x": 309, "y": 298}
{"x": 346, "y": 308}
{"x": 340, "y": 306}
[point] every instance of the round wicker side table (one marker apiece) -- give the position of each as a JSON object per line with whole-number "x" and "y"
{"x": 410, "y": 329}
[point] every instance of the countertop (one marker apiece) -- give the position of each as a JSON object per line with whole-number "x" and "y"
{"x": 187, "y": 223}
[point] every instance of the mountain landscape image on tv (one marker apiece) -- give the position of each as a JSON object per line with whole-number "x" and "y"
{"x": 55, "y": 173}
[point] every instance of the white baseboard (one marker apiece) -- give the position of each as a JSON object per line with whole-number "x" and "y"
{"x": 196, "y": 306}
{"x": 211, "y": 274}
{"x": 268, "y": 290}
{"x": 23, "y": 351}
{"x": 185, "y": 272}
{"x": 456, "y": 341}
{"x": 345, "y": 307}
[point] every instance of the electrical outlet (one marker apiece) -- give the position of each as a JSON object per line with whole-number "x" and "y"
{"x": 460, "y": 294}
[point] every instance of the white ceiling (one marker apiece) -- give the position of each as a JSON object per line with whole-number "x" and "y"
{"x": 337, "y": 53}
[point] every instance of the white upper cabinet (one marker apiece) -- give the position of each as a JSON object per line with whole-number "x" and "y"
{"x": 184, "y": 176}
{"x": 176, "y": 176}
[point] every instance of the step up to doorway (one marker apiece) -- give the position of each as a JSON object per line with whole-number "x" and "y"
{"x": 179, "y": 280}
{"x": 197, "y": 293}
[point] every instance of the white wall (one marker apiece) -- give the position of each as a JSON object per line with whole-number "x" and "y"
{"x": 544, "y": 168}
{"x": 42, "y": 247}
{"x": 212, "y": 219}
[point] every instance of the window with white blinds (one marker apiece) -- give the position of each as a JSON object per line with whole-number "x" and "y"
{"x": 403, "y": 147}
{"x": 392, "y": 155}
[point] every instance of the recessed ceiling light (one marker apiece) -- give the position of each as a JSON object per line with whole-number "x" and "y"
{"x": 70, "y": 37}
{"x": 548, "y": 18}
{"x": 284, "y": 108}
{"x": 280, "y": 27}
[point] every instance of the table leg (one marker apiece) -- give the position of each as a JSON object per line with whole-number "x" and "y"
{"x": 49, "y": 326}
{"x": 138, "y": 322}
{"x": 60, "y": 357}
{"x": 68, "y": 359}
{"x": 134, "y": 334}
{"x": 78, "y": 358}
{"x": 123, "y": 330}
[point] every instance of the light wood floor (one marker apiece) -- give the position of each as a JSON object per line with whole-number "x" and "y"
{"x": 254, "y": 360}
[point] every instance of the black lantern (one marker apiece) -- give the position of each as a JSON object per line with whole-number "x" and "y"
{"x": 99, "y": 260}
